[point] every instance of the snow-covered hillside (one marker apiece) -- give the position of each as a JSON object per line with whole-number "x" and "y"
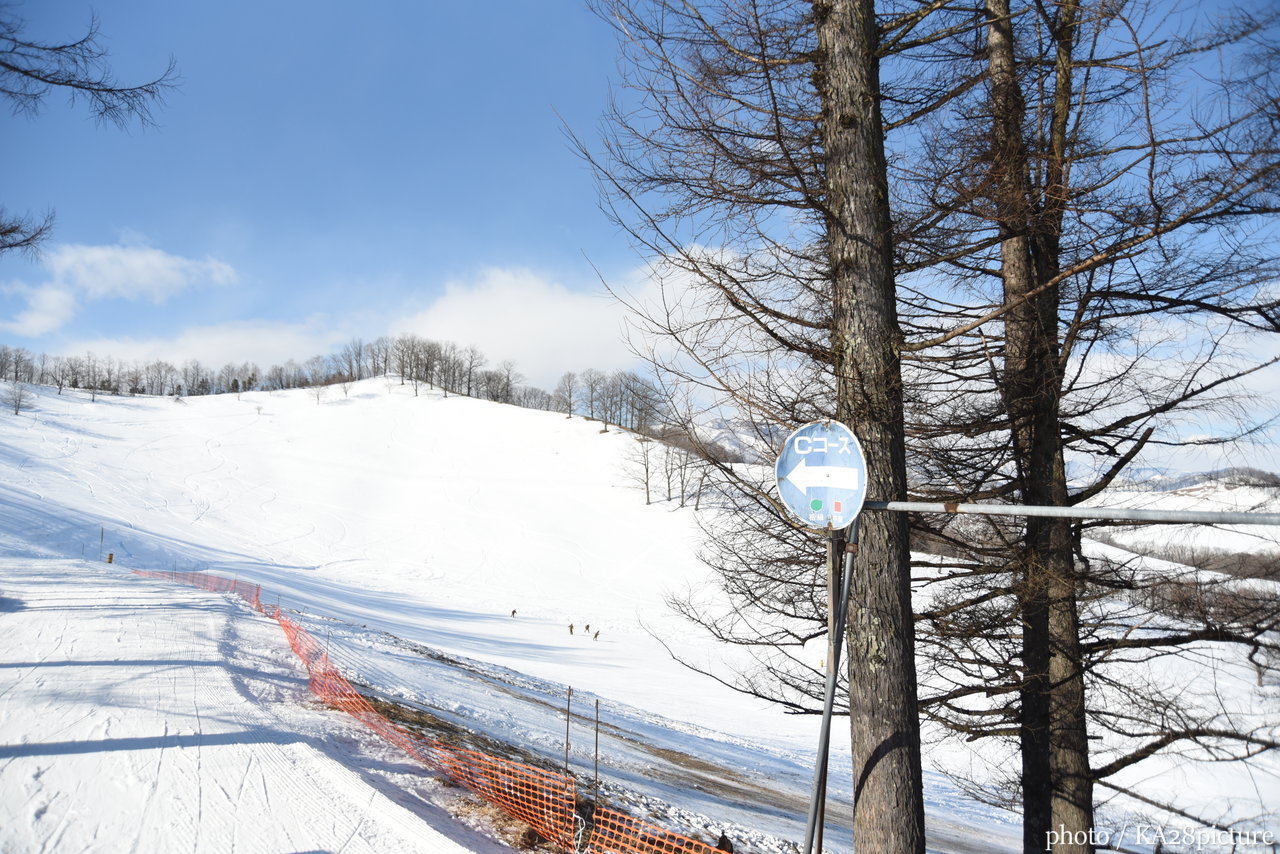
{"x": 437, "y": 516}
{"x": 1229, "y": 490}
{"x": 468, "y": 558}
{"x": 410, "y": 531}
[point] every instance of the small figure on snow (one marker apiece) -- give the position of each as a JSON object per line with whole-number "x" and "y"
{"x": 571, "y": 628}
{"x": 513, "y": 612}
{"x": 596, "y": 636}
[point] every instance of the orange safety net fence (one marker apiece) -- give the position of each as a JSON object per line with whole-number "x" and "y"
{"x": 249, "y": 592}
{"x": 616, "y": 833}
{"x": 542, "y": 799}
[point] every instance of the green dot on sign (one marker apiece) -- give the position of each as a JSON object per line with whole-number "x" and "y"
{"x": 816, "y": 504}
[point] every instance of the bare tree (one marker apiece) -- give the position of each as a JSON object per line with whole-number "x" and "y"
{"x": 1029, "y": 241}
{"x": 31, "y": 70}
{"x": 641, "y": 457}
{"x": 228, "y": 379}
{"x": 380, "y": 353}
{"x": 510, "y": 379}
{"x": 59, "y": 372}
{"x": 754, "y": 174}
{"x": 531, "y": 397}
{"x": 472, "y": 360}
{"x": 18, "y": 396}
{"x": 453, "y": 368}
{"x": 435, "y": 362}
{"x": 593, "y": 383}
{"x": 1075, "y": 242}
{"x": 566, "y": 392}
{"x": 196, "y": 378}
{"x": 22, "y": 365}
{"x": 91, "y": 378}
{"x": 414, "y": 361}
{"x": 351, "y": 360}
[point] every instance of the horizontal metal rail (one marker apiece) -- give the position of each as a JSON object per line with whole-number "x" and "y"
{"x": 1115, "y": 514}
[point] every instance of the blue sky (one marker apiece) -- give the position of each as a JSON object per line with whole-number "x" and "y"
{"x": 319, "y": 174}
{"x": 322, "y": 174}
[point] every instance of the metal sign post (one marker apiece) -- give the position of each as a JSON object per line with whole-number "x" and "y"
{"x": 818, "y": 798}
{"x": 822, "y": 480}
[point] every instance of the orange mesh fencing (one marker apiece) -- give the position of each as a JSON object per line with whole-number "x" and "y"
{"x": 251, "y": 593}
{"x": 542, "y": 799}
{"x": 328, "y": 683}
{"x": 616, "y": 833}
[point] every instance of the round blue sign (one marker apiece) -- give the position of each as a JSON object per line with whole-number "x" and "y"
{"x": 822, "y": 475}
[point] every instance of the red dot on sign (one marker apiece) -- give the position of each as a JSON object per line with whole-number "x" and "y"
{"x": 837, "y": 506}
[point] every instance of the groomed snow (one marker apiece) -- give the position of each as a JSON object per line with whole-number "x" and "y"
{"x": 137, "y": 720}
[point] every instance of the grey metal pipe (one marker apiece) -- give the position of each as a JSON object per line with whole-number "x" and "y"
{"x": 1116, "y": 514}
{"x": 817, "y": 802}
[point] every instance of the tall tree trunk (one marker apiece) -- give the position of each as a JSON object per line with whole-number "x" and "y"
{"x": 866, "y": 342}
{"x": 1056, "y": 784}
{"x": 1069, "y": 757}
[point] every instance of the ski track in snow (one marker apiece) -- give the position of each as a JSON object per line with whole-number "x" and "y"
{"x": 153, "y": 722}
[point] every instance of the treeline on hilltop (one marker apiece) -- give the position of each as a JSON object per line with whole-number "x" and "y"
{"x": 623, "y": 398}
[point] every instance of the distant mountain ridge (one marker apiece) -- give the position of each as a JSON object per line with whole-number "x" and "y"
{"x": 1236, "y": 476}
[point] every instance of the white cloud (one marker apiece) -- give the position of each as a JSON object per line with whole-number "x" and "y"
{"x": 48, "y": 308}
{"x": 79, "y": 272}
{"x": 264, "y": 343}
{"x": 545, "y": 327}
{"x": 132, "y": 272}
{"x": 541, "y": 325}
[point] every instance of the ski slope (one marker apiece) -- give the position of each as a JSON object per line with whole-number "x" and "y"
{"x": 435, "y": 516}
{"x": 442, "y": 547}
{"x": 390, "y": 523}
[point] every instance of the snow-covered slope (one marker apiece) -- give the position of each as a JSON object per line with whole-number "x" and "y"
{"x": 441, "y": 546}
{"x": 410, "y": 530}
{"x": 438, "y": 517}
{"x": 1244, "y": 551}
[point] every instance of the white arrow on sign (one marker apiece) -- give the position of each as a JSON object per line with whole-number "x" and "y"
{"x": 805, "y": 477}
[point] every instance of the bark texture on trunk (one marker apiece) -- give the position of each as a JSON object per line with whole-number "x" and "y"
{"x": 1056, "y": 781}
{"x": 866, "y": 341}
